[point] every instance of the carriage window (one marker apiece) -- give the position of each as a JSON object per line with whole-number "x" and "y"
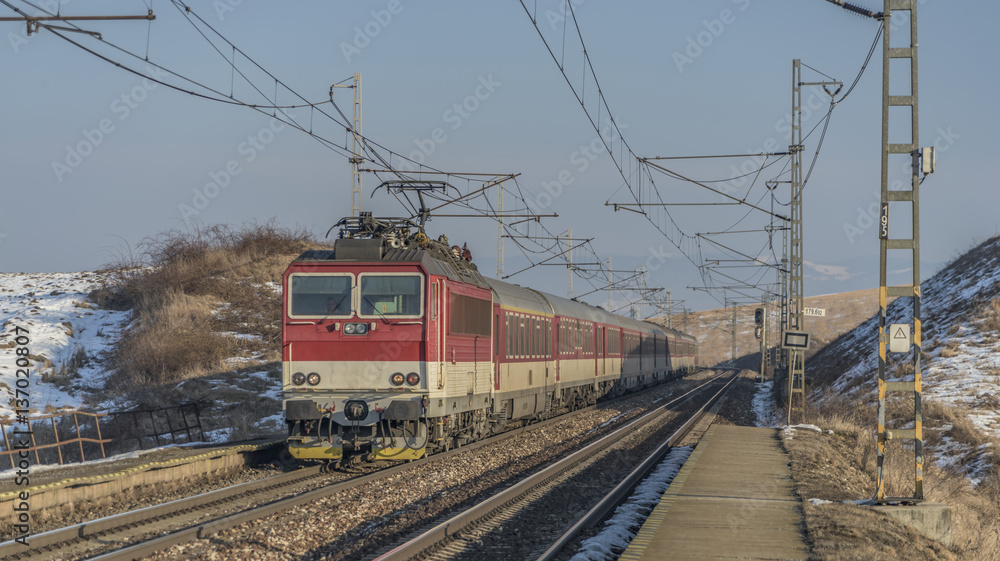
{"x": 524, "y": 336}
{"x": 391, "y": 295}
{"x": 319, "y": 295}
{"x": 536, "y": 328}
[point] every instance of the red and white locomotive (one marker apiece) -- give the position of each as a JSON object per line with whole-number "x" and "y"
{"x": 395, "y": 346}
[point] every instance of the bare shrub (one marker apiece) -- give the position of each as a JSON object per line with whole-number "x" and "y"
{"x": 188, "y": 290}
{"x": 173, "y": 342}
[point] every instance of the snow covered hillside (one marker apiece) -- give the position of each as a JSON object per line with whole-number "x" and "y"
{"x": 67, "y": 337}
{"x": 961, "y": 341}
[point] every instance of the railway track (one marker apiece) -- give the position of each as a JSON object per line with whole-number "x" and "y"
{"x": 140, "y": 533}
{"x": 485, "y": 530}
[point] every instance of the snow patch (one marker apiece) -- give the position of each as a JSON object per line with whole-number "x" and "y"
{"x": 763, "y": 406}
{"x": 628, "y": 518}
{"x": 65, "y": 333}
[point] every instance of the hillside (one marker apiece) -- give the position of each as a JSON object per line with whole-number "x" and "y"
{"x": 835, "y": 467}
{"x": 66, "y": 337}
{"x": 960, "y": 312}
{"x": 195, "y": 318}
{"x": 713, "y": 328}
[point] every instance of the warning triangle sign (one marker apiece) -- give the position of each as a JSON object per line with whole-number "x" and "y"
{"x": 899, "y": 334}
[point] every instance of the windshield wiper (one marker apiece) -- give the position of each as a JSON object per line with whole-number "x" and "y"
{"x": 374, "y": 307}
{"x": 335, "y": 307}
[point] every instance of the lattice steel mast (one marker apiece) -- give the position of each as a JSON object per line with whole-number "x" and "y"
{"x": 796, "y": 304}
{"x": 921, "y": 163}
{"x": 912, "y": 244}
{"x": 357, "y": 158}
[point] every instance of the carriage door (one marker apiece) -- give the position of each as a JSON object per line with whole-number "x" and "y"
{"x": 442, "y": 330}
{"x": 496, "y": 349}
{"x": 600, "y": 351}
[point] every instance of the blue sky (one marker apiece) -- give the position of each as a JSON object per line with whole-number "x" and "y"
{"x": 95, "y": 159}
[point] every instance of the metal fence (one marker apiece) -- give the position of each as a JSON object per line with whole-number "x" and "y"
{"x": 78, "y": 436}
{"x": 148, "y": 428}
{"x": 48, "y": 446}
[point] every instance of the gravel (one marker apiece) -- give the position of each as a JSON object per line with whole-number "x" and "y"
{"x": 362, "y": 520}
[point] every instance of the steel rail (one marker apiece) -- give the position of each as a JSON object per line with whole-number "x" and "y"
{"x": 615, "y": 497}
{"x": 94, "y": 528}
{"x": 513, "y": 494}
{"x": 50, "y": 540}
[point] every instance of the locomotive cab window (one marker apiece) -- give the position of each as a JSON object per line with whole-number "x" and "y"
{"x": 320, "y": 295}
{"x": 398, "y": 295}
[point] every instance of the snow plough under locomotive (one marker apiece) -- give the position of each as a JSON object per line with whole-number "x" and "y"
{"x": 395, "y": 346}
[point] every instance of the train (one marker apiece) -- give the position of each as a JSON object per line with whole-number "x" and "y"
{"x": 394, "y": 346}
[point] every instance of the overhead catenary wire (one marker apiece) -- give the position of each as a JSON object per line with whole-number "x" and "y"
{"x": 680, "y": 237}
{"x": 375, "y": 152}
{"x": 233, "y": 57}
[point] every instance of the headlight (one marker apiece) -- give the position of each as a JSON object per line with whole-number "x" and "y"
{"x": 313, "y": 378}
{"x": 413, "y": 378}
{"x": 298, "y": 378}
{"x": 355, "y": 328}
{"x": 397, "y": 379}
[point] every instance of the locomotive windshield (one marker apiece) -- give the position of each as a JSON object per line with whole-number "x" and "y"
{"x": 320, "y": 295}
{"x": 390, "y": 295}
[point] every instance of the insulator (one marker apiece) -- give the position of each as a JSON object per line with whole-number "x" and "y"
{"x": 857, "y": 9}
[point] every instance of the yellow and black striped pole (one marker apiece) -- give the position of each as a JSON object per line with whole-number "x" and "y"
{"x": 921, "y": 162}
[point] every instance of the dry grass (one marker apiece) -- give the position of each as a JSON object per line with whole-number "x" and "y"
{"x": 842, "y": 467}
{"x": 174, "y": 341}
{"x": 187, "y": 290}
{"x": 950, "y": 350}
{"x": 991, "y": 316}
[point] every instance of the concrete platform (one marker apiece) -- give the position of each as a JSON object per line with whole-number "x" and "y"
{"x": 62, "y": 489}
{"x": 930, "y": 519}
{"x": 733, "y": 499}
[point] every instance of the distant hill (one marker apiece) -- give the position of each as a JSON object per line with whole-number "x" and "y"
{"x": 713, "y": 328}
